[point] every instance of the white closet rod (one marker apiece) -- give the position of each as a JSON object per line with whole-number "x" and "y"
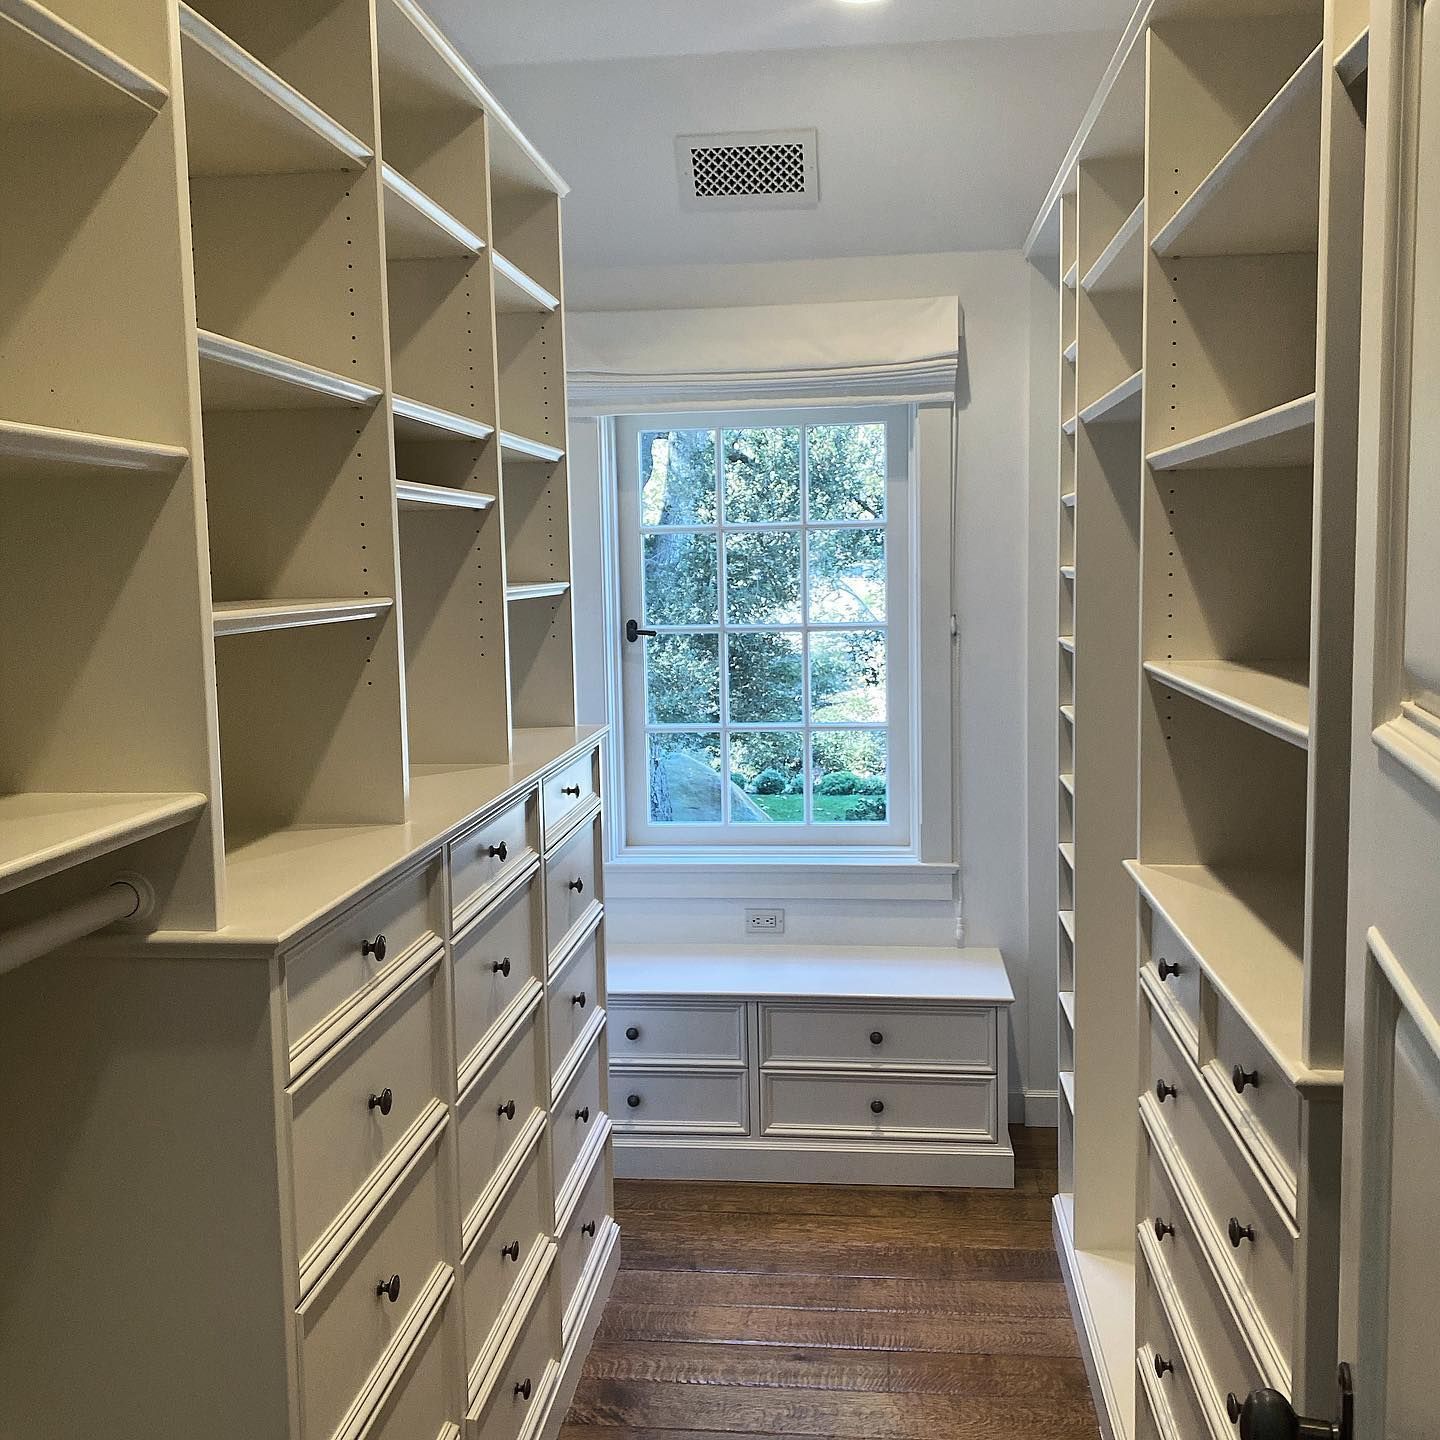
{"x": 123, "y": 899}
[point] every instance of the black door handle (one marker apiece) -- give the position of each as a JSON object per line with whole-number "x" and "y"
{"x": 633, "y": 631}
{"x": 1268, "y": 1415}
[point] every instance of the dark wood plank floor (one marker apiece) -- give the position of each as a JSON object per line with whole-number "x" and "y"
{"x": 821, "y": 1311}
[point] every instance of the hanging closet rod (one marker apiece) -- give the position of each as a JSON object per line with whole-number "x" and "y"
{"x": 123, "y": 899}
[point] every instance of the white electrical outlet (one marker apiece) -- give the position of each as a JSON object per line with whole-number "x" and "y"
{"x": 765, "y": 922}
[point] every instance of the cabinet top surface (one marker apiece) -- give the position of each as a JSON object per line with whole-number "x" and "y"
{"x": 815, "y": 972}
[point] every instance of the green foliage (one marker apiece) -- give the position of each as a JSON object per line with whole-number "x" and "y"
{"x": 867, "y": 808}
{"x": 872, "y": 785}
{"x": 768, "y": 782}
{"x": 762, "y": 475}
{"x": 838, "y": 782}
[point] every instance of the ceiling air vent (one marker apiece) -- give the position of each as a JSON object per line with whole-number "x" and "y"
{"x": 759, "y": 170}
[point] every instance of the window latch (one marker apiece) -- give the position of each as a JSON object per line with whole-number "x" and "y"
{"x": 633, "y": 631}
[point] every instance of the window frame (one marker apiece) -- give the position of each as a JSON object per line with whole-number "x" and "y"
{"x": 896, "y": 836}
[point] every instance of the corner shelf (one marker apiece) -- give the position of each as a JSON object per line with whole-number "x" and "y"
{"x": 540, "y": 590}
{"x": 1119, "y": 405}
{"x": 1120, "y": 266}
{"x": 1271, "y": 696}
{"x": 418, "y": 228}
{"x": 1275, "y": 438}
{"x": 242, "y": 119}
{"x": 35, "y": 452}
{"x": 414, "y": 420}
{"x": 237, "y": 376}
{"x": 244, "y": 617}
{"x": 415, "y": 496}
{"x": 517, "y": 447}
{"x": 516, "y": 293}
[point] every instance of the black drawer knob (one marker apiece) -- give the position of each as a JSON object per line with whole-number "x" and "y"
{"x": 389, "y": 1289}
{"x": 877, "y": 1107}
{"x": 1164, "y": 1091}
{"x": 507, "y": 1110}
{"x": 582, "y": 1000}
{"x": 633, "y": 1101}
{"x": 578, "y": 886}
{"x": 632, "y": 1032}
{"x": 583, "y": 1114}
{"x": 877, "y": 1037}
{"x": 511, "y": 1251}
{"x": 499, "y": 852}
{"x": 1234, "y": 1406}
{"x": 1244, "y": 1080}
{"x": 1168, "y": 969}
{"x": 588, "y": 1229}
{"x": 384, "y": 1101}
{"x": 375, "y": 947}
{"x": 523, "y": 1389}
{"x": 502, "y": 967}
{"x": 1162, "y": 1228}
{"x": 573, "y": 791}
{"x": 1163, "y": 1367}
{"x": 1240, "y": 1233}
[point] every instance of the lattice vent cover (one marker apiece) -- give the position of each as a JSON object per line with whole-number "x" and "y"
{"x": 765, "y": 170}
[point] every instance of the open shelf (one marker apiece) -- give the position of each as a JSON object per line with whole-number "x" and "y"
{"x": 241, "y": 118}
{"x": 516, "y": 293}
{"x": 43, "y": 834}
{"x": 539, "y": 591}
{"x": 1120, "y": 266}
{"x": 49, "y": 69}
{"x": 1273, "y": 696}
{"x": 414, "y": 496}
{"x": 237, "y": 376}
{"x": 1274, "y": 439}
{"x": 414, "y": 420}
{"x": 418, "y": 228}
{"x": 239, "y": 617}
{"x": 35, "y": 452}
{"x": 1263, "y": 196}
{"x": 1118, "y": 406}
{"x": 517, "y": 447}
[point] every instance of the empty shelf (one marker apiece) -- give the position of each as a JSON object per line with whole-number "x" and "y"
{"x": 1067, "y": 642}
{"x": 515, "y": 291}
{"x": 1118, "y": 406}
{"x": 415, "y": 420}
{"x": 538, "y": 590}
{"x": 1067, "y": 1089}
{"x": 1354, "y": 60}
{"x": 246, "y": 617}
{"x": 1072, "y": 351}
{"x": 49, "y": 69}
{"x": 415, "y": 496}
{"x": 42, "y": 834}
{"x": 1273, "y": 696}
{"x": 1263, "y": 198}
{"x": 1067, "y": 924}
{"x": 517, "y": 447}
{"x": 1120, "y": 266}
{"x": 1275, "y": 438}
{"x": 237, "y": 376}
{"x": 1067, "y": 1007}
{"x": 242, "y": 119}
{"x": 35, "y": 452}
{"x": 1067, "y": 853}
{"x": 417, "y": 228}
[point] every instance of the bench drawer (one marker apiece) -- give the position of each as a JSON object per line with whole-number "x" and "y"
{"x": 484, "y": 858}
{"x": 495, "y": 959}
{"x": 677, "y": 1030}
{"x": 572, "y": 999}
{"x": 880, "y": 1107}
{"x": 900, "y": 1035}
{"x": 701, "y": 1102}
{"x": 570, "y": 789}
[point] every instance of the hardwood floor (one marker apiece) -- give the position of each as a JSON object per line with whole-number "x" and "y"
{"x": 855, "y": 1314}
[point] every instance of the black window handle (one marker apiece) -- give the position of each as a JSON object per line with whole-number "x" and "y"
{"x": 633, "y": 631}
{"x": 375, "y": 947}
{"x": 383, "y": 1101}
{"x": 389, "y": 1289}
{"x": 499, "y": 852}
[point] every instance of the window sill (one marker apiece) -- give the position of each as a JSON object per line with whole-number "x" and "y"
{"x": 794, "y": 875}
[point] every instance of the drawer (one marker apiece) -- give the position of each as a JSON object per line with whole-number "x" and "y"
{"x": 574, "y": 993}
{"x": 347, "y": 1325}
{"x": 346, "y": 1117}
{"x": 904, "y": 1035}
{"x": 570, "y": 886}
{"x": 676, "y": 1030}
{"x": 1146, "y": 1426}
{"x": 484, "y": 858}
{"x": 1267, "y": 1101}
{"x": 703, "y": 1102}
{"x": 351, "y": 954}
{"x": 495, "y": 957}
{"x": 427, "y": 1396}
{"x": 522, "y": 1386}
{"x": 930, "y": 1107}
{"x": 569, "y": 789}
{"x": 1163, "y": 1363}
{"x": 496, "y": 1107}
{"x": 584, "y": 1227}
{"x": 576, "y": 1113}
{"x": 501, "y": 1250}
{"x": 1167, "y": 955}
{"x": 1170, "y": 1075}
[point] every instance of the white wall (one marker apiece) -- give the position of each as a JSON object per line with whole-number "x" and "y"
{"x": 993, "y": 578}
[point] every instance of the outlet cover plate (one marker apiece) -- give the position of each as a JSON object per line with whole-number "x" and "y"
{"x": 764, "y": 922}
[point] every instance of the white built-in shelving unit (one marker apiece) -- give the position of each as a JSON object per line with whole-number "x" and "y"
{"x": 1204, "y": 239}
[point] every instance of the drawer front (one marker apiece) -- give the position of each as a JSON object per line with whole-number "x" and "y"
{"x": 676, "y": 1030}
{"x": 576, "y": 1113}
{"x": 572, "y": 998}
{"x": 924, "y": 1107}
{"x": 1160, "y": 1356}
{"x": 428, "y": 1395}
{"x": 483, "y": 859}
{"x": 494, "y": 958}
{"x": 1267, "y": 1099}
{"x": 498, "y": 1257}
{"x": 1176, "y": 968}
{"x": 523, "y": 1384}
{"x": 1146, "y": 1427}
{"x": 1171, "y": 1077}
{"x": 583, "y": 1229}
{"x": 905, "y": 1035}
{"x": 347, "y": 1325}
{"x": 570, "y": 888}
{"x": 703, "y": 1102}
{"x": 347, "y": 957}
{"x": 495, "y": 1108}
{"x": 347, "y": 1117}
{"x": 569, "y": 789}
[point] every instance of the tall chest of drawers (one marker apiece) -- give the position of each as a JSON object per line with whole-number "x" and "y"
{"x": 353, "y": 1183}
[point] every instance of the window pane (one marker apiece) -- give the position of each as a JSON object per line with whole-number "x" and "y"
{"x": 680, "y": 583}
{"x": 847, "y": 575}
{"x": 762, "y": 577}
{"x": 847, "y": 676}
{"x": 847, "y": 472}
{"x": 685, "y": 779}
{"x": 762, "y": 476}
{"x": 767, "y": 778}
{"x": 677, "y": 477}
{"x": 766, "y": 679}
{"x": 682, "y": 680}
{"x": 850, "y": 776}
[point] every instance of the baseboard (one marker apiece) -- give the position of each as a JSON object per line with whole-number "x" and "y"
{"x": 1041, "y": 1109}
{"x": 815, "y": 1162}
{"x": 595, "y": 1286}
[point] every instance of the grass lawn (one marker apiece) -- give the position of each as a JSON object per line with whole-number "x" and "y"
{"x": 790, "y": 809}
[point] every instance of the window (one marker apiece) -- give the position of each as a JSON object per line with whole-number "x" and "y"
{"x": 763, "y": 577}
